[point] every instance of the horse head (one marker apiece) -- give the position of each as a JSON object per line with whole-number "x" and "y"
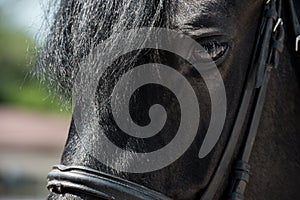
{"x": 131, "y": 133}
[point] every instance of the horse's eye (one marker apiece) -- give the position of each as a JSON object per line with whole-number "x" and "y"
{"x": 213, "y": 51}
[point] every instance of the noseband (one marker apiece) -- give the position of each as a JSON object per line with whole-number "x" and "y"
{"x": 269, "y": 45}
{"x": 79, "y": 179}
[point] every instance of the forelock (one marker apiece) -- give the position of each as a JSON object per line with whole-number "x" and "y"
{"x": 80, "y": 25}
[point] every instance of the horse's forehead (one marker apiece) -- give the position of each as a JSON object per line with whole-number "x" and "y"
{"x": 188, "y": 11}
{"x": 210, "y": 6}
{"x": 195, "y": 6}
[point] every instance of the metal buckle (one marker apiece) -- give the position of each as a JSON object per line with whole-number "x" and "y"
{"x": 297, "y": 42}
{"x": 279, "y": 22}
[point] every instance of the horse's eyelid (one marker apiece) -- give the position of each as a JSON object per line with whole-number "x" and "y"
{"x": 217, "y": 51}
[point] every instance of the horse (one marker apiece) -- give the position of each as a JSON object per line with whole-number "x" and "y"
{"x": 262, "y": 100}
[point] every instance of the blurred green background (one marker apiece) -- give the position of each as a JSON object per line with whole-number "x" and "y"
{"x": 33, "y": 122}
{"x": 18, "y": 52}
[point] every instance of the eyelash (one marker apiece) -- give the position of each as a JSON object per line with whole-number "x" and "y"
{"x": 215, "y": 49}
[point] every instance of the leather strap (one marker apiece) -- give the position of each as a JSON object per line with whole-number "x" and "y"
{"x": 79, "y": 179}
{"x": 265, "y": 57}
{"x": 238, "y": 185}
{"x": 296, "y": 24}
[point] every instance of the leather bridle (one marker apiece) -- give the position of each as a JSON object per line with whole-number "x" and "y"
{"x": 270, "y": 42}
{"x": 79, "y": 179}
